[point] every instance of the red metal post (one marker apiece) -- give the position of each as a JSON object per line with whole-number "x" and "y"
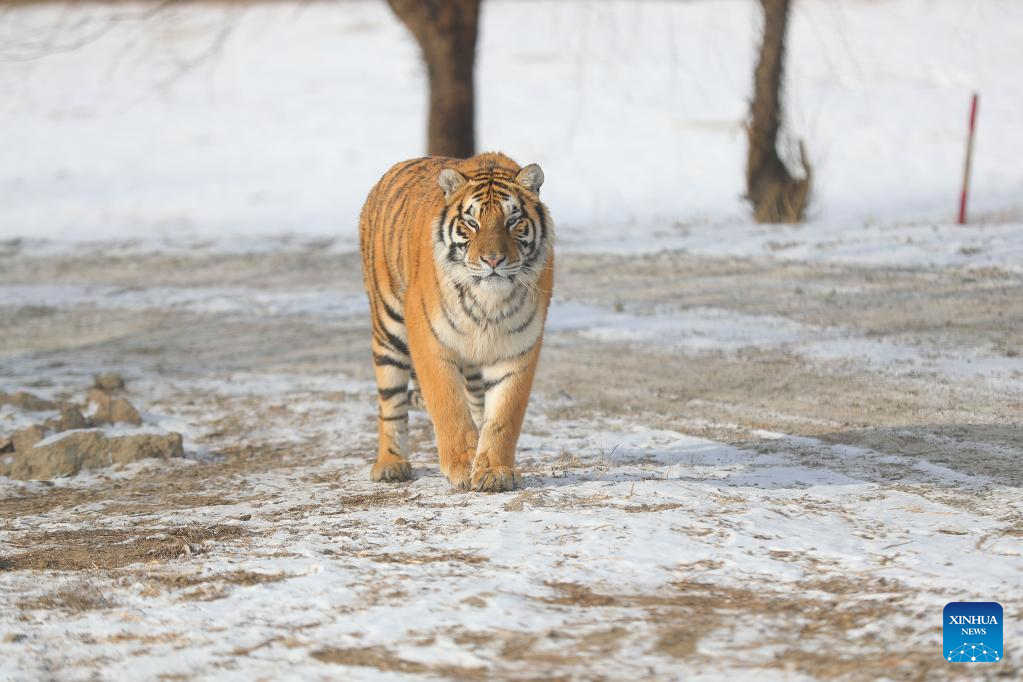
{"x": 969, "y": 161}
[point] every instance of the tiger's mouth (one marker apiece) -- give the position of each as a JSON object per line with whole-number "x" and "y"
{"x": 495, "y": 274}
{"x": 493, "y": 278}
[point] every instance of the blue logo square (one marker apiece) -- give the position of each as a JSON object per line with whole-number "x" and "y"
{"x": 973, "y": 632}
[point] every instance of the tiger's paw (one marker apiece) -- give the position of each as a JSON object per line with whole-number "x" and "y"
{"x": 495, "y": 479}
{"x": 457, "y": 469}
{"x": 391, "y": 471}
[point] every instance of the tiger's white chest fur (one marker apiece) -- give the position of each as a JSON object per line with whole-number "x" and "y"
{"x": 487, "y": 324}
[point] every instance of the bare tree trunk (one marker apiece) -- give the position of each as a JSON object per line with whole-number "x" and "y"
{"x": 446, "y": 33}
{"x": 776, "y": 196}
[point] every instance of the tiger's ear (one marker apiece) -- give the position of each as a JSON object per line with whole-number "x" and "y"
{"x": 451, "y": 181}
{"x": 530, "y": 177}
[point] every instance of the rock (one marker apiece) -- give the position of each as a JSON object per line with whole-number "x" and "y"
{"x": 112, "y": 410}
{"x": 6, "y": 444}
{"x": 90, "y": 449}
{"x": 27, "y": 401}
{"x": 123, "y": 411}
{"x": 98, "y": 397}
{"x": 108, "y": 381}
{"x": 62, "y": 457}
{"x": 6, "y": 462}
{"x": 70, "y": 418}
{"x": 131, "y": 448}
{"x": 27, "y": 437}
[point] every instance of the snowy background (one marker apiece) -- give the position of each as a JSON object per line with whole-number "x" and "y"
{"x": 769, "y": 452}
{"x": 219, "y": 122}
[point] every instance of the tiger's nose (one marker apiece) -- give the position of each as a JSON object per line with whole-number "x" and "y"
{"x": 493, "y": 260}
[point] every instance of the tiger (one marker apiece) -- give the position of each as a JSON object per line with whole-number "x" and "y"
{"x": 458, "y": 264}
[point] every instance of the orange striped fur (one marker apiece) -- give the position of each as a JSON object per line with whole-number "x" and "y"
{"x": 458, "y": 262}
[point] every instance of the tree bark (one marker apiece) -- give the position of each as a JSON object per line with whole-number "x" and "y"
{"x": 776, "y": 196}
{"x": 446, "y": 32}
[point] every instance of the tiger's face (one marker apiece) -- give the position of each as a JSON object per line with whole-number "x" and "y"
{"x": 492, "y": 232}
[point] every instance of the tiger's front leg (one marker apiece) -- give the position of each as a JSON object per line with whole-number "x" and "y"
{"x": 507, "y": 385}
{"x": 442, "y": 385}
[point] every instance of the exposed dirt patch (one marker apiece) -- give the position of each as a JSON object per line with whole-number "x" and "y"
{"x": 405, "y": 558}
{"x": 106, "y": 549}
{"x": 386, "y": 497}
{"x": 213, "y": 581}
{"x": 386, "y": 661}
{"x": 544, "y": 499}
{"x": 678, "y": 641}
{"x": 573, "y": 594}
{"x": 133, "y": 499}
{"x": 80, "y": 595}
{"x": 896, "y": 665}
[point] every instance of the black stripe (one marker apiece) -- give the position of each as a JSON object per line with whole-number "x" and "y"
{"x": 390, "y": 392}
{"x": 460, "y": 288}
{"x": 396, "y": 343}
{"x": 451, "y": 321}
{"x": 381, "y": 360}
{"x": 444, "y": 307}
{"x": 487, "y": 385}
{"x": 400, "y": 170}
{"x": 534, "y": 253}
{"x": 391, "y": 312}
{"x": 519, "y": 355}
{"x": 512, "y": 311}
{"x": 525, "y": 325}
{"x": 543, "y": 222}
{"x": 440, "y": 224}
{"x": 400, "y": 233}
{"x": 453, "y": 253}
{"x": 429, "y": 323}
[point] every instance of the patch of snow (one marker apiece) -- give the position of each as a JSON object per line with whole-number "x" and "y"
{"x": 717, "y": 330}
{"x": 698, "y": 329}
{"x": 14, "y": 419}
{"x": 205, "y": 300}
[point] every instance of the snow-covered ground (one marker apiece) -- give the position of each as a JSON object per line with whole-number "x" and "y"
{"x": 760, "y": 452}
{"x": 720, "y": 480}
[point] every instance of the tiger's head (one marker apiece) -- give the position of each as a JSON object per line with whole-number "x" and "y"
{"x": 493, "y": 231}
